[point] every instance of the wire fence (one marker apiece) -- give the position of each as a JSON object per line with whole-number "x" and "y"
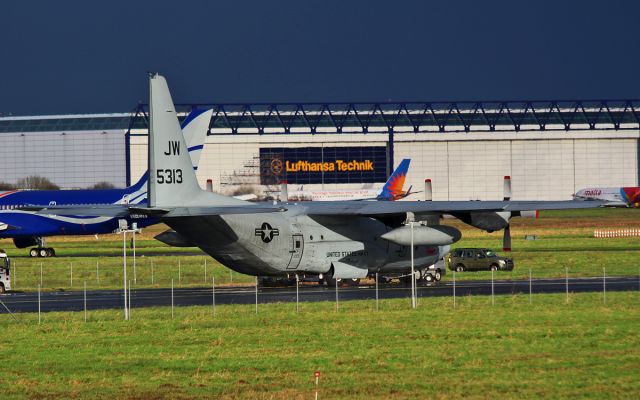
{"x": 108, "y": 273}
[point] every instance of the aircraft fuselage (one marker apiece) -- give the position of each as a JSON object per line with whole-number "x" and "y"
{"x": 284, "y": 243}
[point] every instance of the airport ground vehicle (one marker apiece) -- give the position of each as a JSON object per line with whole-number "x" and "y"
{"x": 434, "y": 273}
{"x": 5, "y": 268}
{"x": 468, "y": 259}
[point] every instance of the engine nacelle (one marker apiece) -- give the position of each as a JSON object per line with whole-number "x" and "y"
{"x": 22, "y": 242}
{"x": 527, "y": 214}
{"x": 487, "y": 221}
{"x": 173, "y": 238}
{"x": 437, "y": 235}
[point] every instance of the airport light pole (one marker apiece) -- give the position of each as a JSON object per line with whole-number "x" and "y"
{"x": 123, "y": 228}
{"x": 413, "y": 272}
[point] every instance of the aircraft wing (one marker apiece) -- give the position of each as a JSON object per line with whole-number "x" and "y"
{"x": 387, "y": 208}
{"x": 104, "y": 210}
{"x": 223, "y": 210}
{"x": 125, "y": 210}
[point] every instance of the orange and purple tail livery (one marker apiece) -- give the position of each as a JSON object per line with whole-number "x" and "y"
{"x": 393, "y": 188}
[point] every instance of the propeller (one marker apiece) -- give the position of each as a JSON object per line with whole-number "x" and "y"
{"x": 284, "y": 191}
{"x": 506, "y": 239}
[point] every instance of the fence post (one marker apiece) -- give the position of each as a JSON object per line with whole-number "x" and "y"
{"x": 85, "y": 301}
{"x": 213, "y": 294}
{"x": 337, "y": 303}
{"x": 530, "y": 288}
{"x": 39, "y": 318}
{"x": 377, "y": 307}
{"x": 40, "y": 273}
{"x": 566, "y": 275}
{"x": 604, "y": 285}
{"x": 454, "y": 288}
{"x": 256, "y": 295}
{"x": 492, "y": 293}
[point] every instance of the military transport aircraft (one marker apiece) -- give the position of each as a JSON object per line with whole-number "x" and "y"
{"x": 341, "y": 239}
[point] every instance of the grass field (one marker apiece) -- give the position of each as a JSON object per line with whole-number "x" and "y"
{"x": 564, "y": 241}
{"x": 511, "y": 350}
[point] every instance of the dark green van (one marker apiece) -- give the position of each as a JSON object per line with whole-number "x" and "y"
{"x": 461, "y": 260}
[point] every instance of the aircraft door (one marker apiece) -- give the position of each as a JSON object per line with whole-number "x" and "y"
{"x": 297, "y": 248}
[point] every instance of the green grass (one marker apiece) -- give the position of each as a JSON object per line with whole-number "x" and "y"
{"x": 511, "y": 350}
{"x": 107, "y": 272}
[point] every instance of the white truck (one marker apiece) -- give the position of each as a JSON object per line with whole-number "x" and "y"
{"x": 5, "y": 272}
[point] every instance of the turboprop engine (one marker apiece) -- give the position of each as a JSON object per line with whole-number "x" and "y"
{"x": 435, "y": 235}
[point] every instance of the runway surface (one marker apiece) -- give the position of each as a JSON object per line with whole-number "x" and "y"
{"x": 105, "y": 299}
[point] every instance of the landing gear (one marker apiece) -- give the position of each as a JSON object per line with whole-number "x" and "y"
{"x": 328, "y": 280}
{"x": 42, "y": 252}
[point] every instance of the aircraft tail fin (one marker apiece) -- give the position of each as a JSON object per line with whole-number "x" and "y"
{"x": 195, "y": 128}
{"x": 393, "y": 188}
{"x": 172, "y": 180}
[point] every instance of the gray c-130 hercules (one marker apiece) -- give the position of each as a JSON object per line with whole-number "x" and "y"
{"x": 335, "y": 240}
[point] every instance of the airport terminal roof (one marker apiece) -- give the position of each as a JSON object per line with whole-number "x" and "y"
{"x": 363, "y": 117}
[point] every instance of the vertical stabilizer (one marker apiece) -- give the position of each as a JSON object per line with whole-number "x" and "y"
{"x": 393, "y": 188}
{"x": 172, "y": 180}
{"x": 195, "y": 128}
{"x": 171, "y": 176}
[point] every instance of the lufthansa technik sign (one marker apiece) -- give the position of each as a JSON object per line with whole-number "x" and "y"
{"x": 308, "y": 165}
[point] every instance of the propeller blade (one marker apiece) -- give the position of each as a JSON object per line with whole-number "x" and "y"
{"x": 284, "y": 191}
{"x": 507, "y": 188}
{"x": 428, "y": 192}
{"x": 506, "y": 240}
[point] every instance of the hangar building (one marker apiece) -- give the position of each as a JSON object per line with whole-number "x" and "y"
{"x": 549, "y": 148}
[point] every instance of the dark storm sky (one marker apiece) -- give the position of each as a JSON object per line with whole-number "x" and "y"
{"x": 87, "y": 56}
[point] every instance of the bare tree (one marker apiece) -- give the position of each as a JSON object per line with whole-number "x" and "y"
{"x": 35, "y": 182}
{"x": 6, "y": 186}
{"x": 102, "y": 185}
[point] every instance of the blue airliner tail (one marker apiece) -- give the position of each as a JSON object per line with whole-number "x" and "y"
{"x": 194, "y": 128}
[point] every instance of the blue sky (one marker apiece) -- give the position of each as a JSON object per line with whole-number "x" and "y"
{"x": 84, "y": 56}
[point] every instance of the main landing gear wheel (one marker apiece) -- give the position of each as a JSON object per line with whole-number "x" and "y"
{"x": 42, "y": 252}
{"x": 438, "y": 276}
{"x": 428, "y": 278}
{"x": 459, "y": 268}
{"x": 329, "y": 280}
{"x": 494, "y": 267}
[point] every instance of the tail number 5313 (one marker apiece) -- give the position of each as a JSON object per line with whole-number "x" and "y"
{"x": 169, "y": 176}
